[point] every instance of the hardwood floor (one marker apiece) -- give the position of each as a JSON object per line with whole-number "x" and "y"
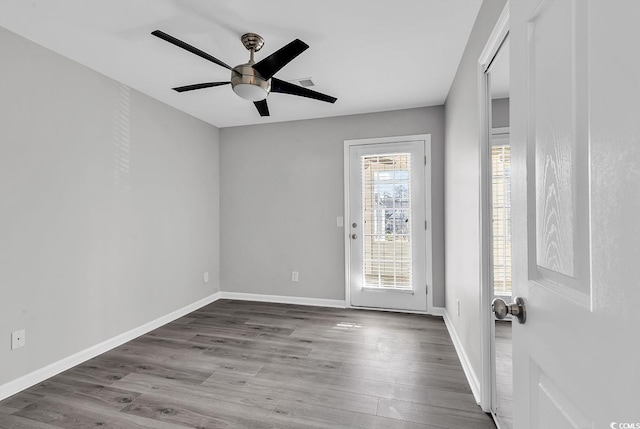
{"x": 235, "y": 364}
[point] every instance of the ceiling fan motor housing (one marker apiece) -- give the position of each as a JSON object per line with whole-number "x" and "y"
{"x": 245, "y": 80}
{"x": 248, "y": 84}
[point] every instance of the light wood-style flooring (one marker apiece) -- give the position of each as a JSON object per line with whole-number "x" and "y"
{"x": 235, "y": 364}
{"x": 504, "y": 374}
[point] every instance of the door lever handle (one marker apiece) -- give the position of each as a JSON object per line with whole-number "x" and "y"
{"x": 516, "y": 309}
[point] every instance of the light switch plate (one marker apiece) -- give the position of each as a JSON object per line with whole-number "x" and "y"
{"x": 340, "y": 222}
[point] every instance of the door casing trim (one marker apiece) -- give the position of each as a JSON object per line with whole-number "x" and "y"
{"x": 487, "y": 377}
{"x": 426, "y": 138}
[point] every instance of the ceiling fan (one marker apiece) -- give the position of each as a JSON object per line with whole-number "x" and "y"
{"x": 253, "y": 81}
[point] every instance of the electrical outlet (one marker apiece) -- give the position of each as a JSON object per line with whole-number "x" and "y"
{"x": 18, "y": 339}
{"x": 205, "y": 277}
{"x": 294, "y": 276}
{"x": 458, "y": 306}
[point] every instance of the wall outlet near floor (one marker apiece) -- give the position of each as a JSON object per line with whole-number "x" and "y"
{"x": 458, "y": 306}
{"x": 18, "y": 339}
{"x": 294, "y": 276}
{"x": 205, "y": 277}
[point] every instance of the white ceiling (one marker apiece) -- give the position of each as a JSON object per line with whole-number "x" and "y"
{"x": 373, "y": 55}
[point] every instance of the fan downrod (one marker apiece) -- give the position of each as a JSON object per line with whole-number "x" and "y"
{"x": 252, "y": 41}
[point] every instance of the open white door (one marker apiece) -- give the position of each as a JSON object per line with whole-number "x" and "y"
{"x": 575, "y": 135}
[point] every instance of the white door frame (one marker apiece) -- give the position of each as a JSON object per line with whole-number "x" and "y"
{"x": 347, "y": 240}
{"x": 498, "y": 35}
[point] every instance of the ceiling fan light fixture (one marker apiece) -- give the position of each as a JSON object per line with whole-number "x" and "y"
{"x": 250, "y": 92}
{"x": 248, "y": 84}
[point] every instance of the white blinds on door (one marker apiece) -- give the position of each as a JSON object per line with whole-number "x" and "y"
{"x": 501, "y": 199}
{"x": 386, "y": 202}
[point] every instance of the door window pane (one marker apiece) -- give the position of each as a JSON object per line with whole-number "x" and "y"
{"x": 501, "y": 198}
{"x": 386, "y": 202}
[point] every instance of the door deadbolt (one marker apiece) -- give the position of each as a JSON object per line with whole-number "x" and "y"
{"x": 517, "y": 309}
{"x": 354, "y": 225}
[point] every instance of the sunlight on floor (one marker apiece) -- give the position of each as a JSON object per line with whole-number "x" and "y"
{"x": 347, "y": 325}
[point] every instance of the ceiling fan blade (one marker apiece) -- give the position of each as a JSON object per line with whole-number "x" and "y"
{"x": 283, "y": 87}
{"x": 270, "y": 65}
{"x": 262, "y": 107}
{"x": 167, "y": 37}
{"x": 199, "y": 86}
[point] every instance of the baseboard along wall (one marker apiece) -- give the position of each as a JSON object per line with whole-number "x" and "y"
{"x": 472, "y": 377}
{"x": 281, "y": 299}
{"x": 39, "y": 375}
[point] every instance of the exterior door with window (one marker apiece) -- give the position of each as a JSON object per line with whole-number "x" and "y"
{"x": 386, "y": 225}
{"x": 575, "y": 142}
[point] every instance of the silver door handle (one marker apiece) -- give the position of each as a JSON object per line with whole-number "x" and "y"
{"x": 517, "y": 309}
{"x": 354, "y": 236}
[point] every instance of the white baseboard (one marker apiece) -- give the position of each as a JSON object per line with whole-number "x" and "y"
{"x": 39, "y": 375}
{"x": 319, "y": 302}
{"x": 281, "y": 299}
{"x": 437, "y": 311}
{"x": 472, "y": 377}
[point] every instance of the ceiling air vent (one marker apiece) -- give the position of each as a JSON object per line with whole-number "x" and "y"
{"x": 303, "y": 81}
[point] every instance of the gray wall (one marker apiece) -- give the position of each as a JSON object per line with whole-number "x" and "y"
{"x": 109, "y": 212}
{"x": 462, "y": 187}
{"x": 500, "y": 113}
{"x": 282, "y": 188}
